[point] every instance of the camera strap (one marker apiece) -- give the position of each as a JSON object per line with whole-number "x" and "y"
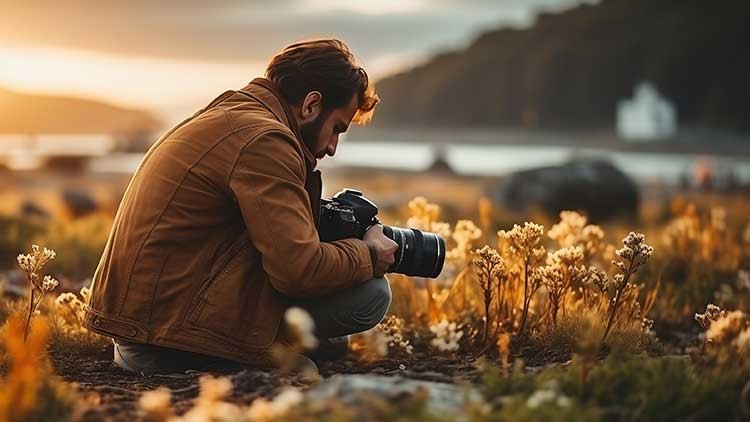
{"x": 314, "y": 188}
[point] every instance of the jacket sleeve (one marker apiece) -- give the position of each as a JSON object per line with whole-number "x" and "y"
{"x": 268, "y": 183}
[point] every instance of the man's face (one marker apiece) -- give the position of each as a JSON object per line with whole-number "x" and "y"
{"x": 322, "y": 135}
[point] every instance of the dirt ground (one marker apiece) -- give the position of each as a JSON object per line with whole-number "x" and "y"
{"x": 115, "y": 392}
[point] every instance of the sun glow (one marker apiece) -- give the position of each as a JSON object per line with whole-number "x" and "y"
{"x": 364, "y": 7}
{"x": 158, "y": 84}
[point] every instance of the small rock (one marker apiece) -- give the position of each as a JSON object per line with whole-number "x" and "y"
{"x": 31, "y": 210}
{"x": 349, "y": 389}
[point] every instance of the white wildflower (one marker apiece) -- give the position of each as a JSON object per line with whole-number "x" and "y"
{"x": 372, "y": 344}
{"x": 563, "y": 401}
{"x": 392, "y": 329}
{"x": 540, "y": 397}
{"x": 634, "y": 253}
{"x": 548, "y": 394}
{"x": 287, "y": 399}
{"x": 712, "y": 313}
{"x": 597, "y": 278}
{"x": 568, "y": 231}
{"x": 213, "y": 389}
{"x": 647, "y": 324}
{"x": 727, "y": 327}
{"x": 303, "y": 325}
{"x": 49, "y": 283}
{"x": 157, "y": 403}
{"x": 719, "y": 218}
{"x": 210, "y": 404}
{"x": 32, "y": 264}
{"x": 263, "y": 409}
{"x": 464, "y": 234}
{"x": 260, "y": 410}
{"x": 447, "y": 336}
{"x": 425, "y": 216}
{"x": 26, "y": 262}
{"x": 49, "y": 254}
{"x": 488, "y": 258}
{"x": 525, "y": 241}
{"x": 380, "y": 343}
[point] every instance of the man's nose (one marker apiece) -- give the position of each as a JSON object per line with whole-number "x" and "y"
{"x": 331, "y": 149}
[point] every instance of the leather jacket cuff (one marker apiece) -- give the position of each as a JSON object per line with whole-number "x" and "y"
{"x": 373, "y": 256}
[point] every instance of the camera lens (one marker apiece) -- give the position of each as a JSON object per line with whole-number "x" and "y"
{"x": 419, "y": 254}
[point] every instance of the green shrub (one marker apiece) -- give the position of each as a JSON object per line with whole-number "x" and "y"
{"x": 623, "y": 388}
{"x": 80, "y": 243}
{"x": 16, "y": 234}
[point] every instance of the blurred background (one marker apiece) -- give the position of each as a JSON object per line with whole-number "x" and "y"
{"x": 610, "y": 107}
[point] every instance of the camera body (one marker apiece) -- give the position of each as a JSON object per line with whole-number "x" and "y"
{"x": 349, "y": 214}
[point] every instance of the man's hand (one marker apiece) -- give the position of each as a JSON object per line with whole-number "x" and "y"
{"x": 385, "y": 247}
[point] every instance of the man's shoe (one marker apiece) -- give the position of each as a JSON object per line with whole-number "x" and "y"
{"x": 306, "y": 367}
{"x": 331, "y": 349}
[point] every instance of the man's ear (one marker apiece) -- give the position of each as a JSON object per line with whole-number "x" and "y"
{"x": 312, "y": 106}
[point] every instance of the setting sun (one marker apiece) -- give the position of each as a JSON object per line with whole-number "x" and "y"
{"x": 158, "y": 84}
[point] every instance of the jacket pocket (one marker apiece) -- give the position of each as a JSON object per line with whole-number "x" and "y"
{"x": 235, "y": 303}
{"x": 220, "y": 267}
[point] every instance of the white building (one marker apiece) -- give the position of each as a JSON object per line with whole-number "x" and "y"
{"x": 648, "y": 116}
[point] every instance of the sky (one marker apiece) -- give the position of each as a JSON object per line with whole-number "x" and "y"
{"x": 173, "y": 56}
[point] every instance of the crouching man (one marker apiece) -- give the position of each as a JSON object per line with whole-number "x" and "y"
{"x": 216, "y": 235}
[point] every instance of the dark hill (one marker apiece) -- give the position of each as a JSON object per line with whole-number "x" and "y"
{"x": 570, "y": 69}
{"x": 26, "y": 113}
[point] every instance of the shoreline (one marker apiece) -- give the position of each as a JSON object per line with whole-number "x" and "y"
{"x": 696, "y": 141}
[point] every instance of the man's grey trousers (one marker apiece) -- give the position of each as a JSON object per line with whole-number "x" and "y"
{"x": 349, "y": 311}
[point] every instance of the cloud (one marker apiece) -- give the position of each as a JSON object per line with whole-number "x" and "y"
{"x": 175, "y": 55}
{"x": 252, "y": 30}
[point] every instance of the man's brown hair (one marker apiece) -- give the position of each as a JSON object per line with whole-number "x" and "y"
{"x": 327, "y": 66}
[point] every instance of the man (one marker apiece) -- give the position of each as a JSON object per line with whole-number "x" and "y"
{"x": 216, "y": 235}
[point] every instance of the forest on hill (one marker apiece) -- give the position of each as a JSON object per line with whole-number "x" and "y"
{"x": 570, "y": 69}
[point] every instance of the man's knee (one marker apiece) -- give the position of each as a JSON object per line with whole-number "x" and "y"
{"x": 378, "y": 294}
{"x": 381, "y": 289}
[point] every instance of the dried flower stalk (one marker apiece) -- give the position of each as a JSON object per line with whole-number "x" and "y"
{"x": 490, "y": 268}
{"x": 632, "y": 255}
{"x": 32, "y": 264}
{"x": 525, "y": 243}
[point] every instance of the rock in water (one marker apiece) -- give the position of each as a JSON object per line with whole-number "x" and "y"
{"x": 79, "y": 202}
{"x": 595, "y": 187}
{"x": 442, "y": 398}
{"x": 31, "y": 210}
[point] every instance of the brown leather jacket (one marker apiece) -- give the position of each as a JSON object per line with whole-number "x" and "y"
{"x": 217, "y": 230}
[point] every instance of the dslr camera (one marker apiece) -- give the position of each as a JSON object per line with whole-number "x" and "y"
{"x": 349, "y": 214}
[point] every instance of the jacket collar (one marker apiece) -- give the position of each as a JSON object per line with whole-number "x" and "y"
{"x": 267, "y": 93}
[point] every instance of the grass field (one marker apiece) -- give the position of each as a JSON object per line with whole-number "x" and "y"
{"x": 533, "y": 317}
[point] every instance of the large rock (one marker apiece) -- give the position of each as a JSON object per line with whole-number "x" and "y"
{"x": 79, "y": 202}
{"x": 442, "y": 398}
{"x": 594, "y": 187}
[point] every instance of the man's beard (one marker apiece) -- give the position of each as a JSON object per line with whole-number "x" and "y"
{"x": 310, "y": 133}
